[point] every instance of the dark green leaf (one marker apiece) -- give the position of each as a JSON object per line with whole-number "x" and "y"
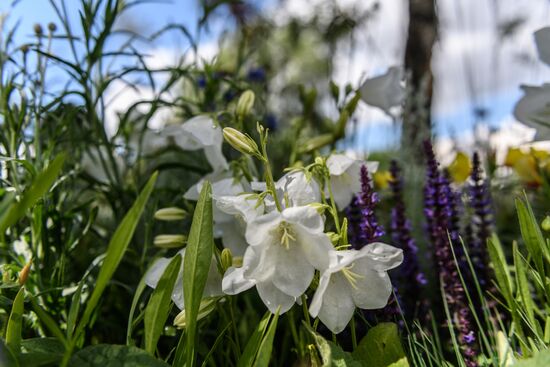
{"x": 264, "y": 351}
{"x": 41, "y": 351}
{"x": 13, "y": 330}
{"x": 253, "y": 345}
{"x": 106, "y": 355}
{"x": 332, "y": 354}
{"x": 7, "y": 357}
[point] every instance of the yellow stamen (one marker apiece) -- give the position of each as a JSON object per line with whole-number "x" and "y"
{"x": 287, "y": 234}
{"x": 351, "y": 276}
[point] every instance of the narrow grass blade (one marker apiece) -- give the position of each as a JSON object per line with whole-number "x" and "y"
{"x": 196, "y": 264}
{"x": 35, "y": 192}
{"x": 158, "y": 308}
{"x": 264, "y": 351}
{"x": 523, "y": 292}
{"x": 115, "y": 250}
{"x": 13, "y": 330}
{"x": 139, "y": 290}
{"x": 504, "y": 280}
{"x": 532, "y": 235}
{"x": 48, "y": 321}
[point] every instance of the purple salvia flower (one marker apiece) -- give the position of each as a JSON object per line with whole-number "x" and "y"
{"x": 440, "y": 208}
{"x": 402, "y": 237}
{"x": 363, "y": 225}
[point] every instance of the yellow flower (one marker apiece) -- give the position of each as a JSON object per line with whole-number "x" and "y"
{"x": 527, "y": 169}
{"x": 460, "y": 168}
{"x": 382, "y": 179}
{"x": 512, "y": 156}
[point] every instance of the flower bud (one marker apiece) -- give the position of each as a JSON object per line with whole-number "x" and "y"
{"x": 241, "y": 142}
{"x": 317, "y": 143}
{"x": 38, "y": 29}
{"x": 169, "y": 240}
{"x": 24, "y": 273}
{"x": 52, "y": 27}
{"x": 245, "y": 103}
{"x": 207, "y": 306}
{"x": 334, "y": 237}
{"x": 226, "y": 259}
{"x": 546, "y": 224}
{"x": 319, "y": 207}
{"x": 172, "y": 213}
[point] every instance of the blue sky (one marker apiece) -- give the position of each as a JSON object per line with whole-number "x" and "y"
{"x": 469, "y": 39}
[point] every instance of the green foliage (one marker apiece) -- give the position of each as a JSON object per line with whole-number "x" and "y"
{"x": 332, "y": 354}
{"x": 259, "y": 343}
{"x": 381, "y": 347}
{"x": 13, "y": 330}
{"x": 103, "y": 355}
{"x": 196, "y": 264}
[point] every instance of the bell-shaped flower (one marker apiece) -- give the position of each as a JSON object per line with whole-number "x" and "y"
{"x": 211, "y": 289}
{"x": 227, "y": 224}
{"x": 345, "y": 177}
{"x": 354, "y": 278}
{"x": 385, "y": 91}
{"x": 294, "y": 188}
{"x": 200, "y": 132}
{"x": 533, "y": 109}
{"x": 284, "y": 250}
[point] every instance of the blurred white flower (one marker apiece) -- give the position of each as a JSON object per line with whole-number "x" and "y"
{"x": 200, "y": 132}
{"x": 211, "y": 289}
{"x": 542, "y": 40}
{"x": 354, "y": 278}
{"x": 385, "y": 91}
{"x": 92, "y": 164}
{"x": 284, "y": 250}
{"x": 21, "y": 248}
{"x": 345, "y": 177}
{"x": 533, "y": 109}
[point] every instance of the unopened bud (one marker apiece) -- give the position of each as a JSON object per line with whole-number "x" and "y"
{"x": 38, "y": 29}
{"x": 334, "y": 237}
{"x": 320, "y": 208}
{"x": 241, "y": 142}
{"x": 52, "y": 27}
{"x": 245, "y": 103}
{"x": 207, "y": 305}
{"x": 169, "y": 240}
{"x": 226, "y": 259}
{"x": 317, "y": 143}
{"x": 546, "y": 224}
{"x": 172, "y": 213}
{"x": 24, "y": 273}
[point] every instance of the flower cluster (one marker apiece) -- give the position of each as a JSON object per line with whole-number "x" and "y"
{"x": 276, "y": 233}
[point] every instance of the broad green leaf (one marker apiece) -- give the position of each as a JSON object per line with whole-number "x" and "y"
{"x": 253, "y": 345}
{"x": 531, "y": 234}
{"x": 380, "y": 347}
{"x": 41, "y": 351}
{"x": 13, "y": 330}
{"x": 403, "y": 362}
{"x": 7, "y": 357}
{"x": 103, "y": 355}
{"x": 158, "y": 308}
{"x": 115, "y": 250}
{"x": 196, "y": 264}
{"x": 523, "y": 292}
{"x": 35, "y": 192}
{"x": 332, "y": 354}
{"x": 264, "y": 351}
{"x": 539, "y": 360}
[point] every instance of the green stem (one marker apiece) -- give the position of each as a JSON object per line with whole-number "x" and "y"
{"x": 353, "y": 333}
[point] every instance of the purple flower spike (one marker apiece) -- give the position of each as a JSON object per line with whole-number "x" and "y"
{"x": 440, "y": 208}
{"x": 363, "y": 225}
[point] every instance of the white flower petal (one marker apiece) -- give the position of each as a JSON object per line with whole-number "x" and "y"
{"x": 232, "y": 234}
{"x": 273, "y": 298}
{"x": 293, "y": 274}
{"x": 373, "y": 288}
{"x": 260, "y": 231}
{"x": 306, "y": 217}
{"x": 315, "y": 248}
{"x": 339, "y": 163}
{"x": 203, "y": 130}
{"x": 298, "y": 188}
{"x": 317, "y": 301}
{"x": 337, "y": 307}
{"x": 385, "y": 91}
{"x": 380, "y": 256}
{"x": 234, "y": 282}
{"x": 533, "y": 109}
{"x": 215, "y": 157}
{"x": 156, "y": 270}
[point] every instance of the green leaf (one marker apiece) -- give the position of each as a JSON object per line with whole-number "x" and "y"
{"x": 531, "y": 234}
{"x": 139, "y": 290}
{"x": 35, "y": 192}
{"x": 196, "y": 264}
{"x": 13, "y": 330}
{"x": 115, "y": 250}
{"x": 380, "y": 347}
{"x": 253, "y": 345}
{"x": 41, "y": 351}
{"x": 7, "y": 357}
{"x": 158, "y": 308}
{"x": 403, "y": 362}
{"x": 502, "y": 275}
{"x": 47, "y": 320}
{"x": 523, "y": 292}
{"x": 331, "y": 353}
{"x": 264, "y": 351}
{"x": 540, "y": 359}
{"x": 104, "y": 355}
